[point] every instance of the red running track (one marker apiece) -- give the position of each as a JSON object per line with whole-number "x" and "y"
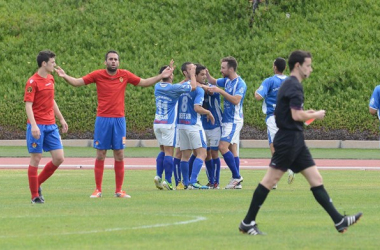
{"x": 150, "y": 163}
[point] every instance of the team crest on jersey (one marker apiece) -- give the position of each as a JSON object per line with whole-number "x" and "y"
{"x": 121, "y": 79}
{"x": 34, "y": 145}
{"x": 29, "y": 89}
{"x": 241, "y": 90}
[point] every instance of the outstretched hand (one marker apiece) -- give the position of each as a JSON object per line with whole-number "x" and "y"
{"x": 60, "y": 71}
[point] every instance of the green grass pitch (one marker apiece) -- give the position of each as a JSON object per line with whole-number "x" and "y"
{"x": 183, "y": 219}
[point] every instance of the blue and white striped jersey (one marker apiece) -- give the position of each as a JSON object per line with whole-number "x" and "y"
{"x": 187, "y": 117}
{"x": 212, "y": 103}
{"x": 374, "y": 102}
{"x": 233, "y": 113}
{"x": 167, "y": 96}
{"x": 268, "y": 90}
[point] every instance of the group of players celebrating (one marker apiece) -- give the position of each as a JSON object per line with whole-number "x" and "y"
{"x": 189, "y": 119}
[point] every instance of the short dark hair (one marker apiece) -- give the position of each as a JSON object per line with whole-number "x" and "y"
{"x": 111, "y": 51}
{"x": 44, "y": 56}
{"x": 280, "y": 64}
{"x": 199, "y": 68}
{"x": 184, "y": 67}
{"x": 231, "y": 62}
{"x": 162, "y": 70}
{"x": 297, "y": 56}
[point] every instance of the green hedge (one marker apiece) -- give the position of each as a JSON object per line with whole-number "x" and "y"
{"x": 342, "y": 36}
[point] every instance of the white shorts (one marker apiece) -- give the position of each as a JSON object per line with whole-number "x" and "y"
{"x": 192, "y": 139}
{"x": 231, "y": 132}
{"x": 176, "y": 137}
{"x": 271, "y": 128}
{"x": 213, "y": 138}
{"x": 165, "y": 137}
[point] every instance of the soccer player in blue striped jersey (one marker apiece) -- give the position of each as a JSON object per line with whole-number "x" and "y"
{"x": 191, "y": 133}
{"x": 167, "y": 95}
{"x": 374, "y": 103}
{"x": 213, "y": 133}
{"x": 232, "y": 121}
{"x": 268, "y": 91}
{"x": 185, "y": 69}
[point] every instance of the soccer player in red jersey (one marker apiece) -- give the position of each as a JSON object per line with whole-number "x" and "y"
{"x": 42, "y": 132}
{"x": 110, "y": 125}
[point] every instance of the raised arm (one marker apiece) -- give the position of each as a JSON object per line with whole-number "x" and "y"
{"x": 153, "y": 80}
{"x": 210, "y": 79}
{"x": 76, "y": 82}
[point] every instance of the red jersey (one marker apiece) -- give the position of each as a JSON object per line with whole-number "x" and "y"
{"x": 40, "y": 91}
{"x": 111, "y": 90}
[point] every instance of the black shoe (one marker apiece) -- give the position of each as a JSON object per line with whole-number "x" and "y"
{"x": 40, "y": 193}
{"x": 250, "y": 229}
{"x": 347, "y": 221}
{"x": 37, "y": 200}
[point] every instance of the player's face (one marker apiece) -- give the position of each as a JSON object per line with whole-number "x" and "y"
{"x": 305, "y": 69}
{"x": 187, "y": 72}
{"x": 112, "y": 62}
{"x": 201, "y": 77}
{"x": 224, "y": 69}
{"x": 50, "y": 65}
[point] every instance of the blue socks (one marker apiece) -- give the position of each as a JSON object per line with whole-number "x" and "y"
{"x": 168, "y": 166}
{"x": 191, "y": 162}
{"x": 197, "y": 165}
{"x": 160, "y": 164}
{"x": 216, "y": 163}
{"x": 237, "y": 163}
{"x": 185, "y": 172}
{"x": 177, "y": 170}
{"x": 210, "y": 171}
{"x": 230, "y": 161}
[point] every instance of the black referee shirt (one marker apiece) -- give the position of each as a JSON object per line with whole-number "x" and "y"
{"x": 289, "y": 96}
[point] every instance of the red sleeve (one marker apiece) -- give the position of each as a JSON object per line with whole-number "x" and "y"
{"x": 30, "y": 90}
{"x": 91, "y": 77}
{"x": 133, "y": 79}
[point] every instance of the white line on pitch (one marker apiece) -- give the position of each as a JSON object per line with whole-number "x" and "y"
{"x": 196, "y": 219}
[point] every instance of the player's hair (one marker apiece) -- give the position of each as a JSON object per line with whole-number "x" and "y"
{"x": 231, "y": 62}
{"x": 44, "y": 56}
{"x": 162, "y": 70}
{"x": 297, "y": 56}
{"x": 280, "y": 64}
{"x": 111, "y": 51}
{"x": 184, "y": 67}
{"x": 199, "y": 68}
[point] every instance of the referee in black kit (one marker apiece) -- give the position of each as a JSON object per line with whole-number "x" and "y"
{"x": 290, "y": 148}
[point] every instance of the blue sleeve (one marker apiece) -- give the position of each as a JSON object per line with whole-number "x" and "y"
{"x": 221, "y": 82}
{"x": 200, "y": 94}
{"x": 181, "y": 88}
{"x": 241, "y": 88}
{"x": 264, "y": 88}
{"x": 374, "y": 102}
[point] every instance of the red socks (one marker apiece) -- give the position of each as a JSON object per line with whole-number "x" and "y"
{"x": 98, "y": 170}
{"x": 33, "y": 180}
{"x": 48, "y": 170}
{"x": 119, "y": 175}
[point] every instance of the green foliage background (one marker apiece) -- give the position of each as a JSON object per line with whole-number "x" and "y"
{"x": 343, "y": 37}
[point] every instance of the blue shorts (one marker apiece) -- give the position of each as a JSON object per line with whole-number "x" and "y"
{"x": 49, "y": 139}
{"x": 110, "y": 133}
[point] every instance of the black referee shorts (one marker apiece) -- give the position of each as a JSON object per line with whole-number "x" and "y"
{"x": 291, "y": 152}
